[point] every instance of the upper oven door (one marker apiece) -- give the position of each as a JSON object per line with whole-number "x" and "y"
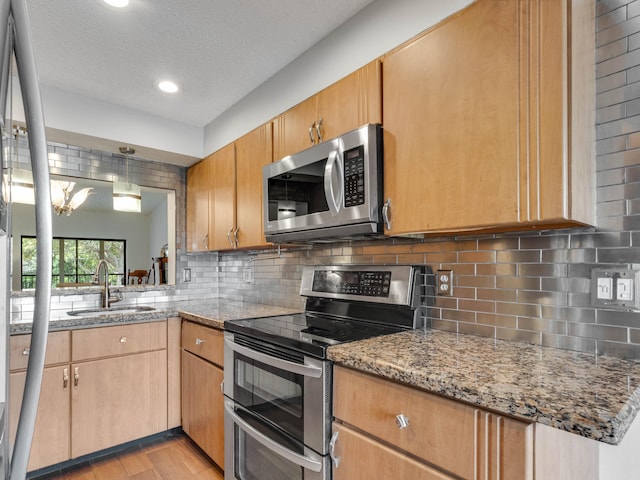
{"x": 335, "y": 183}
{"x": 289, "y": 390}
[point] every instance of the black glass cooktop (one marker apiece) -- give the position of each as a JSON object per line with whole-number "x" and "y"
{"x": 308, "y": 333}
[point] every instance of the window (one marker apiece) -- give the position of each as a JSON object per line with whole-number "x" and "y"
{"x": 75, "y": 260}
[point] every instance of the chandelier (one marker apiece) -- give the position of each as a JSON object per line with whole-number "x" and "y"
{"x": 63, "y": 200}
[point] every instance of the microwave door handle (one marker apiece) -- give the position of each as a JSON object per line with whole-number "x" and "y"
{"x": 304, "y": 370}
{"x": 309, "y": 463}
{"x": 333, "y": 192}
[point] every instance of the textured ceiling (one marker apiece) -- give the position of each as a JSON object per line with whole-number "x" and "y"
{"x": 216, "y": 50}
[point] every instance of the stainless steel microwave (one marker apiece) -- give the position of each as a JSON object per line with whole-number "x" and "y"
{"x": 329, "y": 191}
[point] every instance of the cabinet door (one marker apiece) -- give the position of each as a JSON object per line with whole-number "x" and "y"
{"x": 222, "y": 216}
{"x": 51, "y": 435}
{"x": 202, "y": 403}
{"x": 452, "y": 123}
{"x": 351, "y": 102}
{"x": 253, "y": 151}
{"x": 198, "y": 186}
{"x": 117, "y": 400}
{"x": 291, "y": 129}
{"x": 362, "y": 457}
{"x": 343, "y": 106}
{"x": 504, "y": 447}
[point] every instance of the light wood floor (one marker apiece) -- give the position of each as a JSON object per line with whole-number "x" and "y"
{"x": 175, "y": 458}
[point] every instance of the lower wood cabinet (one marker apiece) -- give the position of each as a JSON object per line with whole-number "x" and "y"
{"x": 202, "y": 398}
{"x": 51, "y": 436}
{"x": 451, "y": 437}
{"x": 117, "y": 400}
{"x": 101, "y": 387}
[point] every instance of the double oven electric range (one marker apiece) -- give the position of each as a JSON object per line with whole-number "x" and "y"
{"x": 278, "y": 381}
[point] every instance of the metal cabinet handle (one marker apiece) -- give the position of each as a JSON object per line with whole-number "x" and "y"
{"x": 205, "y": 241}
{"x": 332, "y": 450}
{"x": 26, "y": 351}
{"x": 319, "y": 130}
{"x": 402, "y": 421}
{"x": 199, "y": 341}
{"x": 222, "y": 387}
{"x": 65, "y": 378}
{"x": 123, "y": 339}
{"x": 229, "y": 236}
{"x": 235, "y": 237}
{"x": 386, "y": 217}
{"x": 311, "y": 128}
{"x": 76, "y": 376}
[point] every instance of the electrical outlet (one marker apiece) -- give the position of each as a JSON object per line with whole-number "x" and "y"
{"x": 444, "y": 282}
{"x": 615, "y": 288}
{"x": 186, "y": 275}
{"x": 247, "y": 274}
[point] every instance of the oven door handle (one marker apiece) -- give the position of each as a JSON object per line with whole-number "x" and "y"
{"x": 304, "y": 370}
{"x": 309, "y": 463}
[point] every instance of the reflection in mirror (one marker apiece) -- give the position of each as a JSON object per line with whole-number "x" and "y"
{"x": 149, "y": 236}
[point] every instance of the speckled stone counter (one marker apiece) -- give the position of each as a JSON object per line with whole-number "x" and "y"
{"x": 61, "y": 321}
{"x": 215, "y": 314}
{"x": 212, "y": 314}
{"x": 595, "y": 397}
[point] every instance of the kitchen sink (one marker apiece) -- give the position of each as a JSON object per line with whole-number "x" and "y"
{"x": 120, "y": 310}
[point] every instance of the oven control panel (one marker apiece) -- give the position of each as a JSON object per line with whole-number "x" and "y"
{"x": 367, "y": 283}
{"x": 387, "y": 284}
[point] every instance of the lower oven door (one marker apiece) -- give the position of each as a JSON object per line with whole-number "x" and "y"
{"x": 285, "y": 388}
{"x": 255, "y": 450}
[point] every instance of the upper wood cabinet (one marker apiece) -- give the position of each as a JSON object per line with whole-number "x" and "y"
{"x": 211, "y": 201}
{"x": 488, "y": 120}
{"x": 198, "y": 187}
{"x": 253, "y": 151}
{"x": 344, "y": 106}
{"x": 222, "y": 198}
{"x": 224, "y": 194}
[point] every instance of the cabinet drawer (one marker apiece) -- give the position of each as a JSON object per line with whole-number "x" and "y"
{"x": 440, "y": 431}
{"x": 57, "y": 350}
{"x": 205, "y": 342}
{"x": 118, "y": 340}
{"x": 363, "y": 457}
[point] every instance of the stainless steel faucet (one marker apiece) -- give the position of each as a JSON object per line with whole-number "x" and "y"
{"x": 107, "y": 299}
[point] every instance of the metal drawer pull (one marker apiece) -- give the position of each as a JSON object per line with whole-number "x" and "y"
{"x": 26, "y": 351}
{"x": 222, "y": 386}
{"x": 76, "y": 377}
{"x": 199, "y": 341}
{"x": 332, "y": 450}
{"x": 123, "y": 339}
{"x": 318, "y": 130}
{"x": 65, "y": 378}
{"x": 402, "y": 421}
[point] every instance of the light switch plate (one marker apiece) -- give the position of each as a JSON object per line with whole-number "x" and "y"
{"x": 616, "y": 288}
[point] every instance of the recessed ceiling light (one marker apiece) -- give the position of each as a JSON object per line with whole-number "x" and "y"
{"x": 167, "y": 86}
{"x": 117, "y": 3}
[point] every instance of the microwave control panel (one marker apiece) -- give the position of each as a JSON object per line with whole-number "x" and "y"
{"x": 354, "y": 193}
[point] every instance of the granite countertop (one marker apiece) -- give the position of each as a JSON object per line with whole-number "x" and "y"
{"x": 593, "y": 396}
{"x": 212, "y": 314}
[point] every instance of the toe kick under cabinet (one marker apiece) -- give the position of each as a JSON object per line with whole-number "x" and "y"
{"x": 202, "y": 399}
{"x": 101, "y": 387}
